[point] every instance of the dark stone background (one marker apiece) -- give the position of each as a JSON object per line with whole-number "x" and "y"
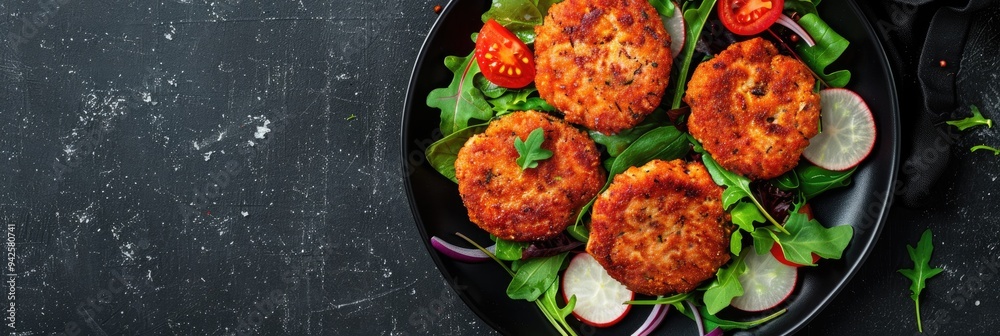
{"x": 202, "y": 167}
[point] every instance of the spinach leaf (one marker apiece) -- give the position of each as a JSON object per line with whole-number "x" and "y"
{"x": 530, "y": 151}
{"x": 921, "y": 270}
{"x": 489, "y": 89}
{"x": 461, "y": 101}
{"x": 801, "y": 6}
{"x": 787, "y": 181}
{"x": 829, "y": 46}
{"x": 663, "y": 143}
{"x": 807, "y": 236}
{"x": 442, "y": 153}
{"x": 975, "y": 120}
{"x": 616, "y": 144}
{"x": 534, "y": 277}
{"x": 518, "y": 16}
{"x": 579, "y": 232}
{"x": 815, "y": 180}
{"x": 726, "y": 285}
{"x": 695, "y": 19}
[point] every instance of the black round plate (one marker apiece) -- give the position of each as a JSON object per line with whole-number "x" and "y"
{"x": 438, "y": 210}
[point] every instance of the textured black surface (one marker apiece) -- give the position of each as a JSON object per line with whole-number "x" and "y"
{"x": 115, "y": 114}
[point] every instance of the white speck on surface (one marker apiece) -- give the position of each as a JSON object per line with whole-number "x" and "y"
{"x": 244, "y": 213}
{"x": 147, "y": 97}
{"x": 208, "y": 155}
{"x": 977, "y": 303}
{"x": 251, "y": 143}
{"x": 262, "y": 130}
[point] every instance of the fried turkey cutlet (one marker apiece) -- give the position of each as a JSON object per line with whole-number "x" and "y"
{"x": 660, "y": 228}
{"x": 753, "y": 110}
{"x": 532, "y": 204}
{"x": 604, "y": 63}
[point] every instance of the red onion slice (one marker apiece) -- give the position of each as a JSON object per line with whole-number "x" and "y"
{"x": 786, "y": 21}
{"x": 697, "y": 317}
{"x": 461, "y": 253}
{"x": 656, "y": 317}
{"x": 715, "y": 332}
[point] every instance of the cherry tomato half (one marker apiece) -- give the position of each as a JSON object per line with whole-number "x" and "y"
{"x": 749, "y": 17}
{"x": 503, "y": 58}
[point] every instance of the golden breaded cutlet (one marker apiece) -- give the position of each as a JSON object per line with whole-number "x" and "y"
{"x": 753, "y": 109}
{"x": 536, "y": 203}
{"x": 603, "y": 63}
{"x": 660, "y": 228}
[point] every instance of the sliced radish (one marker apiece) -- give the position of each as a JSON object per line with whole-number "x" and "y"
{"x": 848, "y": 131}
{"x": 600, "y": 299}
{"x": 675, "y": 27}
{"x": 766, "y": 283}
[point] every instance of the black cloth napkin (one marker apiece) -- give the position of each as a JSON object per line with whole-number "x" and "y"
{"x": 926, "y": 42}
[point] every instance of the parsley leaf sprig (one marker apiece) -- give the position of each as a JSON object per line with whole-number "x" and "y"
{"x": 976, "y": 119}
{"x": 921, "y": 270}
{"x": 531, "y": 150}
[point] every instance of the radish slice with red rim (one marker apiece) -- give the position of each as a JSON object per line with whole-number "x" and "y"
{"x": 675, "y": 27}
{"x": 848, "y": 131}
{"x": 600, "y": 299}
{"x": 766, "y": 283}
{"x": 461, "y": 253}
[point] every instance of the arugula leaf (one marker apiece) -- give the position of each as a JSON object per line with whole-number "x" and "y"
{"x": 550, "y": 308}
{"x": 518, "y": 16}
{"x": 616, "y": 144}
{"x": 725, "y": 286}
{"x": 975, "y": 120}
{"x": 547, "y": 304}
{"x": 443, "y": 153}
{"x": 762, "y": 241}
{"x": 509, "y": 250}
{"x": 921, "y": 270}
{"x": 807, "y": 236}
{"x": 737, "y": 188}
{"x": 661, "y": 300}
{"x": 712, "y": 322}
{"x": 530, "y": 151}
{"x": 744, "y": 215}
{"x": 815, "y": 180}
{"x": 695, "y": 19}
{"x": 461, "y": 101}
{"x": 829, "y": 46}
{"x": 535, "y": 276}
{"x": 664, "y": 7}
{"x": 663, "y": 143}
{"x": 736, "y": 242}
{"x": 985, "y": 147}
